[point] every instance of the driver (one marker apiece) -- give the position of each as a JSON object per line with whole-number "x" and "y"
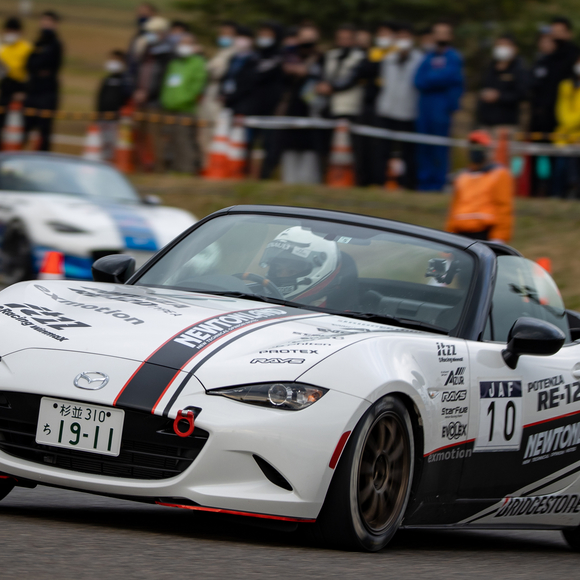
{"x": 301, "y": 264}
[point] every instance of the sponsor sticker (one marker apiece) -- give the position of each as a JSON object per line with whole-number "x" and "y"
{"x": 539, "y": 505}
{"x": 118, "y": 314}
{"x": 552, "y": 443}
{"x": 278, "y": 361}
{"x": 453, "y": 396}
{"x": 454, "y": 430}
{"x": 554, "y": 391}
{"x": 447, "y": 353}
{"x": 449, "y": 455}
{"x": 454, "y": 378}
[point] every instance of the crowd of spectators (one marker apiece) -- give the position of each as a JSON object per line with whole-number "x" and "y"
{"x": 394, "y": 77}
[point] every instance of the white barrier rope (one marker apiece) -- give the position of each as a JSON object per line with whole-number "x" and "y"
{"x": 515, "y": 147}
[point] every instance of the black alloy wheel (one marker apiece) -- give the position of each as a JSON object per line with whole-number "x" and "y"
{"x": 15, "y": 255}
{"x": 369, "y": 493}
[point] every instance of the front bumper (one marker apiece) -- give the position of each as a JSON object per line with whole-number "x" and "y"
{"x": 225, "y": 475}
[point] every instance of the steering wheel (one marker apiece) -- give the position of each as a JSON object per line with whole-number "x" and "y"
{"x": 268, "y": 286}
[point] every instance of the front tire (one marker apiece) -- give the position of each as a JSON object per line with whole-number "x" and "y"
{"x": 16, "y": 255}
{"x": 370, "y": 490}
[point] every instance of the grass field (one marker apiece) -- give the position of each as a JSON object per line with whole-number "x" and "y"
{"x": 544, "y": 227}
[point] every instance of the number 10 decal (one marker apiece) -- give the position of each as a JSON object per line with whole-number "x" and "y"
{"x": 500, "y": 416}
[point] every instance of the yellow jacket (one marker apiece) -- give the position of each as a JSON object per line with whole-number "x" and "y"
{"x": 568, "y": 113}
{"x": 14, "y": 57}
{"x": 481, "y": 201}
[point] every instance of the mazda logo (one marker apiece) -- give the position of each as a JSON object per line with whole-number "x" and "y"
{"x": 91, "y": 380}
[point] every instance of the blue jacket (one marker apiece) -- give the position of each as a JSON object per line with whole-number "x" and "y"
{"x": 439, "y": 80}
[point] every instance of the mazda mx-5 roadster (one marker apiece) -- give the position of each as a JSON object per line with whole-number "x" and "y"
{"x": 347, "y": 374}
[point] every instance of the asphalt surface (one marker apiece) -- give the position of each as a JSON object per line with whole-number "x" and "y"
{"x": 49, "y": 533}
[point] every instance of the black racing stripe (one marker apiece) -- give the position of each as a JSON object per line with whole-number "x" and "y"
{"x": 149, "y": 383}
{"x": 190, "y": 374}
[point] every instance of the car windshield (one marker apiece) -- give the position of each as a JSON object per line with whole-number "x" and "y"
{"x": 353, "y": 270}
{"x": 39, "y": 174}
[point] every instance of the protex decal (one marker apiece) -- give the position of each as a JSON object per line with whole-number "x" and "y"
{"x": 278, "y": 361}
{"x": 154, "y": 302}
{"x": 148, "y": 385}
{"x": 289, "y": 351}
{"x": 552, "y": 392}
{"x": 552, "y": 443}
{"x": 447, "y": 353}
{"x": 500, "y": 416}
{"x": 93, "y": 307}
{"x": 539, "y": 505}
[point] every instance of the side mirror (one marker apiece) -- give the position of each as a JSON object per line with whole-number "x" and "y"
{"x": 114, "y": 269}
{"x": 534, "y": 337}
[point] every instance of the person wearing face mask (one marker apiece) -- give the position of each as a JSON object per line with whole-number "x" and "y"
{"x": 397, "y": 106}
{"x": 239, "y": 82}
{"x": 482, "y": 206}
{"x": 14, "y": 53}
{"x": 543, "y": 93}
{"x": 217, "y": 66}
{"x": 343, "y": 100}
{"x": 566, "y": 178}
{"x": 367, "y": 75}
{"x": 439, "y": 80}
{"x": 301, "y": 60}
{"x": 138, "y": 44}
{"x": 112, "y": 96}
{"x": 43, "y": 67}
{"x": 183, "y": 85}
{"x": 150, "y": 75}
{"x": 505, "y": 86}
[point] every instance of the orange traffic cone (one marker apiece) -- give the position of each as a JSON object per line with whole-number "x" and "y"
{"x": 218, "y": 166}
{"x": 93, "y": 143}
{"x": 502, "y": 151}
{"x": 13, "y": 135}
{"x": 237, "y": 150}
{"x": 124, "y": 149}
{"x": 340, "y": 167}
{"x": 545, "y": 263}
{"x": 52, "y": 266}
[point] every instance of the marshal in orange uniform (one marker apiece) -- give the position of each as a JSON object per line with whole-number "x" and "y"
{"x": 482, "y": 206}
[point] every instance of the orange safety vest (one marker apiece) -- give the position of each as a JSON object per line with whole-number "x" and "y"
{"x": 483, "y": 200}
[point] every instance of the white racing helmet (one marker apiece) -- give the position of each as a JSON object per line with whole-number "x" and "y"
{"x": 299, "y": 261}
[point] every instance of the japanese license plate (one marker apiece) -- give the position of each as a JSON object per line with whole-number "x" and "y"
{"x": 80, "y": 426}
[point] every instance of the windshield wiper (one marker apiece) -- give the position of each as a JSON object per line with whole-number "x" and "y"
{"x": 395, "y": 321}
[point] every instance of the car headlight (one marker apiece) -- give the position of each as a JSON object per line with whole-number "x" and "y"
{"x": 288, "y": 396}
{"x": 64, "y": 228}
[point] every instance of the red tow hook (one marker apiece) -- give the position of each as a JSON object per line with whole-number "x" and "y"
{"x": 188, "y": 418}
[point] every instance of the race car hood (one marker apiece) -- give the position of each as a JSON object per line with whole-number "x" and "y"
{"x": 155, "y": 334}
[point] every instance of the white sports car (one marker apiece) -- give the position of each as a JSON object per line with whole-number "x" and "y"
{"x": 82, "y": 209}
{"x": 345, "y": 373}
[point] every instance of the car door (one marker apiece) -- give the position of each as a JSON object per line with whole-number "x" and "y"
{"x": 524, "y": 422}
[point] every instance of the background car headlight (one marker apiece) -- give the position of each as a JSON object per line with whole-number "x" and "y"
{"x": 289, "y": 396}
{"x": 64, "y": 228}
